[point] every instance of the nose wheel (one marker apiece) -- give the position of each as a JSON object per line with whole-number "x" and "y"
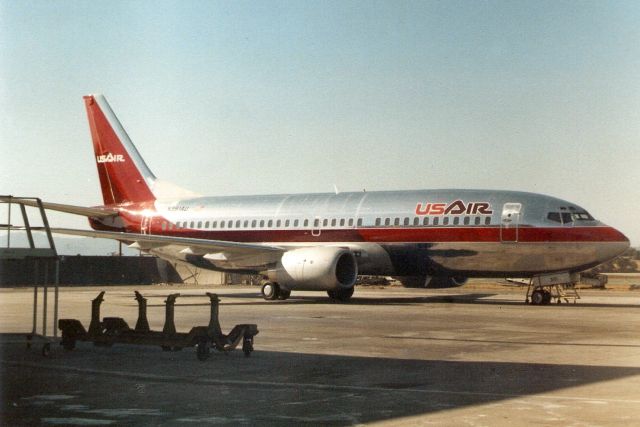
{"x": 540, "y": 297}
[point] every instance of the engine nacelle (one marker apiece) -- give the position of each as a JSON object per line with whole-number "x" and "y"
{"x": 316, "y": 268}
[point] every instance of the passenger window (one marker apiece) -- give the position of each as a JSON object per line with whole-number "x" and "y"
{"x": 295, "y": 222}
{"x": 306, "y": 223}
{"x": 270, "y": 223}
{"x": 477, "y": 220}
{"x": 333, "y": 222}
{"x": 487, "y": 220}
{"x": 325, "y": 222}
{"x": 262, "y": 223}
{"x": 359, "y": 222}
{"x": 246, "y": 223}
{"x": 445, "y": 220}
{"x": 230, "y": 224}
{"x": 214, "y": 224}
{"x": 286, "y": 223}
{"x": 221, "y": 224}
{"x": 406, "y": 221}
{"x": 467, "y": 220}
{"x": 199, "y": 224}
{"x": 378, "y": 221}
{"x": 416, "y": 221}
{"x": 456, "y": 220}
{"x": 387, "y": 221}
{"x": 396, "y": 221}
{"x": 192, "y": 224}
{"x": 436, "y": 220}
{"x": 341, "y": 222}
{"x": 254, "y": 223}
{"x": 350, "y": 222}
{"x": 425, "y": 220}
{"x": 278, "y": 222}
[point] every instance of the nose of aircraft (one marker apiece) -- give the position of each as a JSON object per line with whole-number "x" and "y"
{"x": 617, "y": 244}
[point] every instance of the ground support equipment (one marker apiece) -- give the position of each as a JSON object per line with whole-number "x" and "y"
{"x": 112, "y": 330}
{"x": 45, "y": 262}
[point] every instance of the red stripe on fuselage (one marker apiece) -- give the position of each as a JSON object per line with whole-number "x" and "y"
{"x": 528, "y": 234}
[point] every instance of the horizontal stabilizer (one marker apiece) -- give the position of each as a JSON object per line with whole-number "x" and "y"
{"x": 95, "y": 212}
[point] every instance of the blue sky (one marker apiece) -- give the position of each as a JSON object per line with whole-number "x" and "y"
{"x": 276, "y": 97}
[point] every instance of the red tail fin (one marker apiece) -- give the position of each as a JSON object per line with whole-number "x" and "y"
{"x": 124, "y": 176}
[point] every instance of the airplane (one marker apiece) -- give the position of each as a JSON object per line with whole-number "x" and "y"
{"x": 322, "y": 242}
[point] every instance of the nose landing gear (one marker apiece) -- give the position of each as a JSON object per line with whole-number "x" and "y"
{"x": 546, "y": 287}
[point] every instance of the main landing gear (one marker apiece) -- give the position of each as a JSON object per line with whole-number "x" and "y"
{"x": 340, "y": 294}
{"x": 272, "y": 291}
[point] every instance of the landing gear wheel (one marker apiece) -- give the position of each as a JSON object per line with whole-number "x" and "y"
{"x": 270, "y": 291}
{"x": 46, "y": 350}
{"x": 282, "y": 294}
{"x": 340, "y": 294}
{"x": 537, "y": 297}
{"x": 547, "y": 298}
{"x": 202, "y": 350}
{"x": 247, "y": 346}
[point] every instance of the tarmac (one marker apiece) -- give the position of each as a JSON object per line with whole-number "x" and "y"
{"x": 474, "y": 356}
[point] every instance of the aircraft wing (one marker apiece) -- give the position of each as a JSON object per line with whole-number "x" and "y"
{"x": 222, "y": 254}
{"x": 97, "y": 212}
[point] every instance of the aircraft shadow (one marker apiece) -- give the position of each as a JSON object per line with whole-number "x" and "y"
{"x": 254, "y": 298}
{"x": 272, "y": 387}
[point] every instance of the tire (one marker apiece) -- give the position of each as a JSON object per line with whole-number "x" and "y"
{"x": 270, "y": 291}
{"x": 537, "y": 297}
{"x": 340, "y": 294}
{"x": 202, "y": 350}
{"x": 247, "y": 346}
{"x": 283, "y": 295}
{"x": 547, "y": 298}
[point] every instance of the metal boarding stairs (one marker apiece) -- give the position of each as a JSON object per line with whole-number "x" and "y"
{"x": 46, "y": 263}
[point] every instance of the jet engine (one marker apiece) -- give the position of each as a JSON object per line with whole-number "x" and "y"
{"x": 316, "y": 268}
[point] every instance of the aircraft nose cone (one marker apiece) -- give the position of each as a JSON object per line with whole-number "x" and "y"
{"x": 618, "y": 244}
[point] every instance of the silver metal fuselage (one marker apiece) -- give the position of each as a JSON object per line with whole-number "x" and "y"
{"x": 472, "y": 233}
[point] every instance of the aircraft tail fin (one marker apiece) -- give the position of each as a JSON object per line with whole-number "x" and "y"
{"x": 124, "y": 176}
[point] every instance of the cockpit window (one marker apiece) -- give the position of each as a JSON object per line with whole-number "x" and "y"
{"x": 582, "y": 216}
{"x": 566, "y": 217}
{"x": 554, "y": 216}
{"x": 569, "y": 217}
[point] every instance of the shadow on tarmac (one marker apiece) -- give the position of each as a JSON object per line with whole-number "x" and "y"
{"x": 471, "y": 298}
{"x": 130, "y": 385}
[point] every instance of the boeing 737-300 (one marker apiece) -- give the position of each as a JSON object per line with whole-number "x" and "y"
{"x": 321, "y": 242}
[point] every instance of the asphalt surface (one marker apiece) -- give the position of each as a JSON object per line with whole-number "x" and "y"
{"x": 466, "y": 356}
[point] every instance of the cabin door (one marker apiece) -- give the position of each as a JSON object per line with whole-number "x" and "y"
{"x": 510, "y": 222}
